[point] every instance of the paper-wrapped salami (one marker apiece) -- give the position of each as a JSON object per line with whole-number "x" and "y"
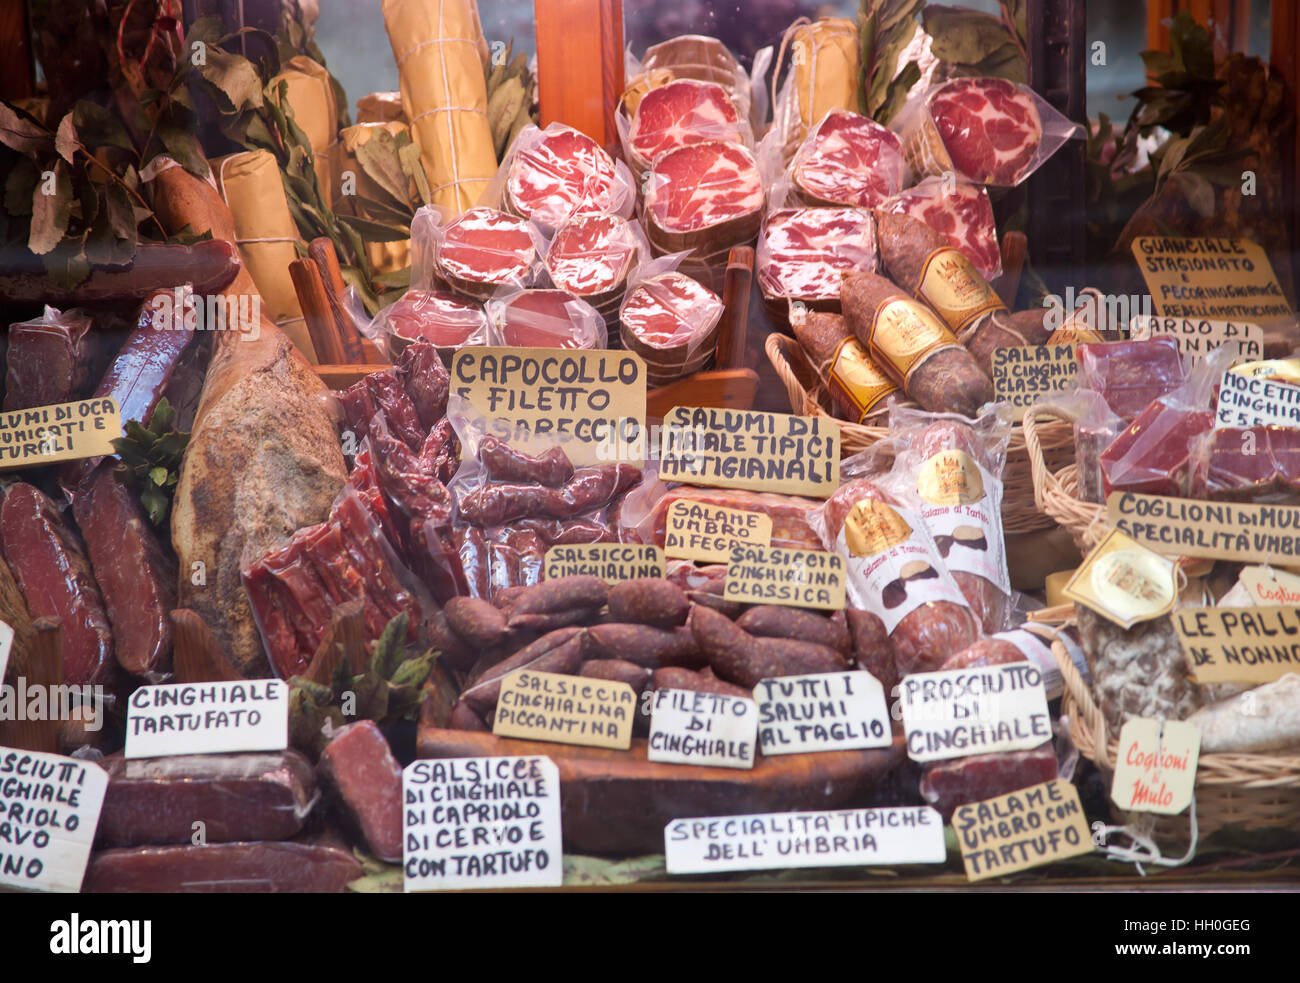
{"x": 385, "y": 257}
{"x": 439, "y": 49}
{"x": 824, "y": 68}
{"x": 316, "y": 112}
{"x": 380, "y": 107}
{"x": 265, "y": 233}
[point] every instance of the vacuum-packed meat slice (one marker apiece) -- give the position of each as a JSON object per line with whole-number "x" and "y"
{"x": 559, "y": 173}
{"x": 803, "y": 253}
{"x": 438, "y": 317}
{"x": 483, "y": 249}
{"x": 591, "y": 257}
{"x": 358, "y": 770}
{"x": 679, "y": 114}
{"x": 289, "y": 867}
{"x": 990, "y": 128}
{"x": 705, "y": 197}
{"x": 848, "y": 160}
{"x": 546, "y": 319}
{"x": 48, "y": 360}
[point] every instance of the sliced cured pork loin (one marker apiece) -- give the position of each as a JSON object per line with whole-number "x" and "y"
{"x": 558, "y": 174}
{"x": 485, "y": 248}
{"x": 672, "y": 322}
{"x": 704, "y": 197}
{"x": 438, "y": 317}
{"x": 680, "y": 114}
{"x": 848, "y": 160}
{"x": 546, "y": 319}
{"x": 804, "y": 252}
{"x": 592, "y": 256}
{"x": 990, "y": 129}
{"x": 961, "y": 213}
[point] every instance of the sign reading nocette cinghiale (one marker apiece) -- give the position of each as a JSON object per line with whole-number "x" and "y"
{"x": 207, "y": 718}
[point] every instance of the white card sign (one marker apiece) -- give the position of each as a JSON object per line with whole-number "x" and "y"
{"x": 49, "y": 806}
{"x": 1256, "y": 402}
{"x": 839, "y": 711}
{"x": 6, "y": 644}
{"x": 771, "y": 841}
{"x": 207, "y": 718}
{"x": 1199, "y": 337}
{"x": 974, "y": 711}
{"x": 481, "y": 823}
{"x": 689, "y": 728}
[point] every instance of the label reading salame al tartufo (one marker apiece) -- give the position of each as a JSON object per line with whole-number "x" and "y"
{"x": 892, "y": 564}
{"x": 904, "y": 334}
{"x": 1254, "y": 402}
{"x": 834, "y": 711}
{"x": 963, "y": 511}
{"x": 774, "y": 840}
{"x": 974, "y": 711}
{"x": 689, "y": 728}
{"x": 952, "y": 286}
{"x": 768, "y": 452}
{"x": 481, "y": 823}
{"x": 207, "y": 718}
{"x": 1220, "y": 530}
{"x": 50, "y": 807}
{"x": 59, "y": 432}
{"x": 859, "y": 379}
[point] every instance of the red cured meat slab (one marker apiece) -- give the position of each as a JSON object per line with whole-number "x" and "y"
{"x": 849, "y": 160}
{"x": 592, "y": 255}
{"x": 485, "y": 247}
{"x": 291, "y": 867}
{"x": 560, "y": 174}
{"x": 1130, "y": 374}
{"x": 964, "y": 217}
{"x": 438, "y": 317}
{"x": 54, "y": 575}
{"x": 358, "y": 770}
{"x": 548, "y": 319}
{"x": 985, "y": 652}
{"x": 703, "y": 186}
{"x": 802, "y": 252}
{"x": 990, "y": 128}
{"x": 48, "y": 360}
{"x": 682, "y": 113}
{"x": 136, "y": 575}
{"x": 670, "y": 310}
{"x": 1259, "y": 463}
{"x": 949, "y": 784}
{"x": 261, "y": 795}
{"x": 1153, "y": 456}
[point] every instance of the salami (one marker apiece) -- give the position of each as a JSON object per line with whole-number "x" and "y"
{"x": 961, "y": 212}
{"x": 913, "y": 347}
{"x": 858, "y": 386}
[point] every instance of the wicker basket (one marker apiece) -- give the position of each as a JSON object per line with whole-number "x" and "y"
{"x": 1056, "y": 485}
{"x": 1250, "y": 790}
{"x": 1020, "y": 514}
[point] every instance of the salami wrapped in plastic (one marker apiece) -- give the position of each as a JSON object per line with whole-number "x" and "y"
{"x": 1130, "y": 374}
{"x": 954, "y": 467}
{"x": 442, "y": 318}
{"x": 913, "y": 347}
{"x": 671, "y": 321}
{"x": 592, "y": 257}
{"x": 1258, "y": 464}
{"x": 894, "y": 571}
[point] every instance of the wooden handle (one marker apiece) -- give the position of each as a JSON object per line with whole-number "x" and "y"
{"x": 321, "y": 251}
{"x": 317, "y": 311}
{"x": 1015, "y": 247}
{"x": 734, "y": 330}
{"x": 197, "y": 655}
{"x": 42, "y": 671}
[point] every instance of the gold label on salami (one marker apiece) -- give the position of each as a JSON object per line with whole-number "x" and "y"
{"x": 904, "y": 334}
{"x": 953, "y": 287}
{"x": 859, "y": 378}
{"x": 951, "y": 477}
{"x": 872, "y": 527}
{"x": 1124, "y": 581}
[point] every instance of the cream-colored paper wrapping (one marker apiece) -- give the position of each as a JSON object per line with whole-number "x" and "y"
{"x": 385, "y": 257}
{"x": 316, "y": 112}
{"x": 266, "y": 233}
{"x": 824, "y": 60}
{"x": 380, "y": 107}
{"x": 440, "y": 52}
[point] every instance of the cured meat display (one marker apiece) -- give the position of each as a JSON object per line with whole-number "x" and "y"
{"x": 672, "y": 322}
{"x": 803, "y": 252}
{"x": 484, "y": 249}
{"x": 988, "y": 129}
{"x": 680, "y": 114}
{"x": 48, "y": 360}
{"x": 546, "y": 319}
{"x": 559, "y": 174}
{"x": 703, "y": 196}
{"x": 859, "y": 387}
{"x": 848, "y": 159}
{"x": 961, "y": 212}
{"x": 438, "y": 317}
{"x": 591, "y": 257}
